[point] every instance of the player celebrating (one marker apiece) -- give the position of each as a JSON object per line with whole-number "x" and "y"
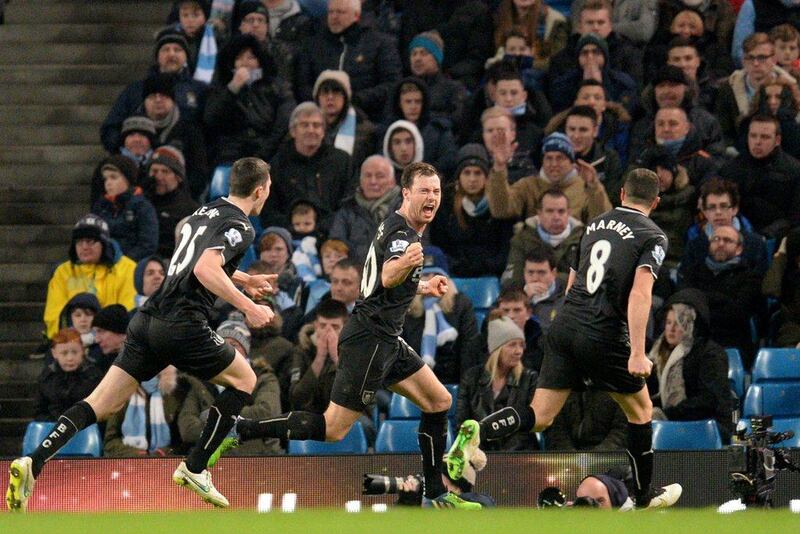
{"x": 371, "y": 353}
{"x": 598, "y": 338}
{"x": 172, "y": 329}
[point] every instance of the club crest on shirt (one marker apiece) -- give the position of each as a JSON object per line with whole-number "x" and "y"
{"x": 659, "y": 254}
{"x": 233, "y": 236}
{"x": 398, "y": 245}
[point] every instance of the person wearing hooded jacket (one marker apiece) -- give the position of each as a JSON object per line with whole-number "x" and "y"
{"x": 690, "y": 371}
{"x": 402, "y": 145}
{"x": 248, "y": 107}
{"x": 92, "y": 267}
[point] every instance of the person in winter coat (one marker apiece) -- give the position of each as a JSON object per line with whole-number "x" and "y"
{"x": 780, "y": 99}
{"x": 589, "y": 421}
{"x": 92, "y": 267}
{"x": 476, "y": 244}
{"x": 138, "y": 141}
{"x": 248, "y": 107}
{"x": 67, "y": 380}
{"x": 346, "y": 127}
{"x": 635, "y": 20}
{"x": 502, "y": 381}
{"x": 130, "y": 216}
{"x": 613, "y": 120}
{"x": 690, "y": 371}
{"x": 782, "y": 282}
{"x": 446, "y": 97}
{"x": 543, "y": 28}
{"x": 148, "y": 277}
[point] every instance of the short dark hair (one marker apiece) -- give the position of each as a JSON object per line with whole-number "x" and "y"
{"x": 718, "y": 186}
{"x": 419, "y": 168}
{"x": 641, "y": 186}
{"x": 246, "y": 175}
{"x": 766, "y": 118}
{"x": 349, "y": 263}
{"x": 553, "y": 192}
{"x": 509, "y": 75}
{"x": 785, "y": 32}
{"x": 331, "y": 309}
{"x": 498, "y": 70}
{"x": 303, "y": 207}
{"x": 582, "y": 111}
{"x": 756, "y": 39}
{"x": 512, "y": 294}
{"x": 680, "y": 42}
{"x": 596, "y": 5}
{"x": 541, "y": 254}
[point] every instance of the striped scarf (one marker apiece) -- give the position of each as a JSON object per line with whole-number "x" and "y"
{"x": 207, "y": 57}
{"x": 134, "y": 425}
{"x": 436, "y": 332}
{"x": 346, "y": 134}
{"x": 306, "y": 259}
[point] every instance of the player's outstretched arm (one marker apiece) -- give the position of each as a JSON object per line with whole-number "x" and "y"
{"x": 435, "y": 287}
{"x": 395, "y": 271}
{"x": 639, "y": 302}
{"x": 209, "y": 272}
{"x": 257, "y": 285}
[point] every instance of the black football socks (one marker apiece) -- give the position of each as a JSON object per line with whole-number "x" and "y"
{"x": 221, "y": 417}
{"x": 505, "y": 422}
{"x": 432, "y": 436}
{"x": 640, "y": 455}
{"x": 75, "y": 419}
{"x": 292, "y": 425}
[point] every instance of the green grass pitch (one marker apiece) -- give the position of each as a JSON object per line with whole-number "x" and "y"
{"x": 410, "y": 521}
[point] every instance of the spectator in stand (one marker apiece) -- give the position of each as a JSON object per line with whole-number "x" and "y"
{"x": 736, "y": 93}
{"x": 169, "y": 194}
{"x": 110, "y": 327}
{"x": 786, "y": 39}
{"x": 441, "y": 330}
{"x": 346, "y": 127}
{"x": 377, "y": 195}
{"x": 148, "y": 423}
{"x": 402, "y": 145}
{"x": 594, "y": 17}
{"x": 782, "y": 282}
{"x": 719, "y": 202}
{"x": 510, "y": 94}
{"x": 171, "y": 53}
{"x": 684, "y": 54}
{"x": 718, "y": 17}
{"x": 613, "y": 120}
{"x": 502, "y": 381}
{"x": 635, "y": 20}
{"x": 768, "y": 179}
{"x": 446, "y": 97}
{"x": 552, "y": 228}
{"x": 266, "y": 394}
{"x": 780, "y": 99}
{"x": 275, "y": 249}
{"x": 758, "y": 16}
{"x": 200, "y": 37}
{"x": 248, "y": 107}
{"x": 93, "y": 268}
{"x": 138, "y": 141}
{"x": 67, "y": 380}
{"x": 78, "y": 314}
{"x": 732, "y": 287}
{"x": 306, "y": 167}
{"x": 690, "y": 371}
{"x": 515, "y": 304}
{"x": 148, "y": 277}
{"x": 543, "y": 286}
{"x": 130, "y": 216}
{"x": 475, "y": 243}
{"x": 670, "y": 88}
{"x": 581, "y": 125}
{"x": 344, "y": 42}
{"x": 495, "y": 120}
{"x": 589, "y": 421}
{"x": 579, "y": 181}
{"x": 592, "y": 62}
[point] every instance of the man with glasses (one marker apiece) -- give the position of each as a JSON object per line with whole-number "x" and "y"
{"x": 736, "y": 93}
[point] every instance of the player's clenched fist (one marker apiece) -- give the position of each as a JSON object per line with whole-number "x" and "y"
{"x": 259, "y": 316}
{"x": 413, "y": 255}
{"x": 640, "y": 366}
{"x": 437, "y": 286}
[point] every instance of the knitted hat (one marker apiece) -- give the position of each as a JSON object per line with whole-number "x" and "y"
{"x": 501, "y": 331}
{"x": 658, "y": 156}
{"x": 138, "y": 274}
{"x": 113, "y": 318}
{"x": 91, "y": 226}
{"x": 339, "y": 77}
{"x": 250, "y": 6}
{"x": 670, "y": 73}
{"x": 82, "y": 301}
{"x": 558, "y": 142}
{"x": 472, "y": 154}
{"x": 235, "y": 328}
{"x": 122, "y": 165}
{"x": 435, "y": 261}
{"x": 283, "y": 233}
{"x": 171, "y": 35}
{"x": 162, "y": 83}
{"x": 170, "y": 157}
{"x": 432, "y": 42}
{"x": 140, "y": 124}
{"x": 593, "y": 38}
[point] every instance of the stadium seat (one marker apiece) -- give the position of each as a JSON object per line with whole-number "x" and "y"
{"x": 686, "y": 435}
{"x": 87, "y": 442}
{"x": 778, "y": 399}
{"x": 397, "y": 435}
{"x": 402, "y": 408}
{"x": 480, "y": 316}
{"x": 736, "y": 372}
{"x": 220, "y": 182}
{"x": 776, "y": 365}
{"x": 481, "y": 291}
{"x": 355, "y": 442}
{"x": 782, "y": 424}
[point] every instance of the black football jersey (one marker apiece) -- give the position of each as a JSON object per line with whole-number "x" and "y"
{"x": 379, "y": 309}
{"x": 613, "y": 247}
{"x": 219, "y": 225}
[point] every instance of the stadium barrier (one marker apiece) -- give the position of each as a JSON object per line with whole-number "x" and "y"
{"x": 144, "y": 484}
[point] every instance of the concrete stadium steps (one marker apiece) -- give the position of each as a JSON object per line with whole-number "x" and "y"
{"x": 82, "y": 94}
{"x": 38, "y": 114}
{"x": 36, "y": 291}
{"x": 18, "y": 134}
{"x": 70, "y": 53}
{"x": 77, "y": 12}
{"x": 43, "y": 213}
{"x": 25, "y": 174}
{"x": 17, "y": 407}
{"x": 55, "y": 155}
{"x": 15, "y": 330}
{"x": 79, "y": 33}
{"x": 32, "y": 244}
{"x": 21, "y": 311}
{"x": 72, "y": 74}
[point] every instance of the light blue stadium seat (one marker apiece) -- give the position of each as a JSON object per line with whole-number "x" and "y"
{"x": 686, "y": 435}
{"x": 778, "y": 399}
{"x": 776, "y": 365}
{"x": 782, "y": 424}
{"x": 400, "y": 435}
{"x": 480, "y": 316}
{"x": 402, "y": 408}
{"x": 87, "y": 442}
{"x": 355, "y": 442}
{"x": 736, "y": 372}
{"x": 482, "y": 292}
{"x": 220, "y": 182}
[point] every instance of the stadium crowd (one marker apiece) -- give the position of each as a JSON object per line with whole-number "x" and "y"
{"x": 532, "y": 111}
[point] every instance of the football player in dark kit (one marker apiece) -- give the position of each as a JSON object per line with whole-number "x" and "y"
{"x": 598, "y": 338}
{"x": 371, "y": 353}
{"x": 172, "y": 329}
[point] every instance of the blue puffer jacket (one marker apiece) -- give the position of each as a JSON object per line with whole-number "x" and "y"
{"x": 132, "y": 222}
